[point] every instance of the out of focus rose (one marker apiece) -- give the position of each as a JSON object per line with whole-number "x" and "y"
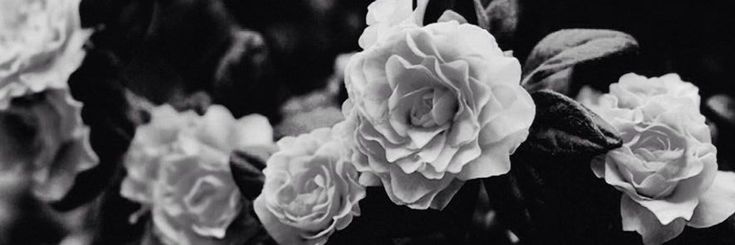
{"x": 432, "y": 107}
{"x": 178, "y": 168}
{"x": 43, "y": 135}
{"x": 384, "y": 16}
{"x": 311, "y": 189}
{"x": 40, "y": 46}
{"x": 667, "y": 166}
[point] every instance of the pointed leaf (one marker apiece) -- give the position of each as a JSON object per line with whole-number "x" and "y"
{"x": 550, "y": 193}
{"x": 564, "y": 126}
{"x": 565, "y": 49}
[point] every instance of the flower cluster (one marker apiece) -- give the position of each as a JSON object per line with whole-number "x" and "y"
{"x": 429, "y": 107}
{"x": 667, "y": 167}
{"x": 178, "y": 169}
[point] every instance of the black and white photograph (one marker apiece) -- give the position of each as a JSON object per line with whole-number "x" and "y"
{"x": 367, "y": 122}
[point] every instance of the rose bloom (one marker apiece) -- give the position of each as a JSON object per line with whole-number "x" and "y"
{"x": 311, "y": 189}
{"x": 667, "y": 166}
{"x": 40, "y": 46}
{"x": 178, "y": 168}
{"x": 43, "y": 135}
{"x": 432, "y": 107}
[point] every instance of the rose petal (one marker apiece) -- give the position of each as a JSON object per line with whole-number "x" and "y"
{"x": 639, "y": 219}
{"x": 717, "y": 203}
{"x": 495, "y": 158}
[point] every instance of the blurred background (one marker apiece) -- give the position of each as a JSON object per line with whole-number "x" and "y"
{"x": 279, "y": 58}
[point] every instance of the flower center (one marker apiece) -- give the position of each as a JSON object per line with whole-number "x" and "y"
{"x": 660, "y": 149}
{"x": 421, "y": 111}
{"x": 433, "y": 107}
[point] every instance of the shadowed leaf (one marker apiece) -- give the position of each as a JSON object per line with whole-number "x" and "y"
{"x": 247, "y": 170}
{"x": 564, "y": 126}
{"x": 565, "y": 49}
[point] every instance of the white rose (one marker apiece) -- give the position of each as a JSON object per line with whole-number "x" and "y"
{"x": 432, "y": 107}
{"x": 43, "y": 135}
{"x": 311, "y": 189}
{"x": 178, "y": 167}
{"x": 40, "y": 46}
{"x": 667, "y": 166}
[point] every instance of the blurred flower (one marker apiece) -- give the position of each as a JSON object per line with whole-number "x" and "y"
{"x": 384, "y": 16}
{"x": 43, "y": 135}
{"x": 311, "y": 189}
{"x": 667, "y": 166}
{"x": 40, "y": 46}
{"x": 178, "y": 167}
{"x": 432, "y": 107}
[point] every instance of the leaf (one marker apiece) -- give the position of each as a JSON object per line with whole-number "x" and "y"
{"x": 245, "y": 76}
{"x": 564, "y": 126}
{"x": 381, "y": 220}
{"x": 438, "y": 8}
{"x": 247, "y": 170}
{"x": 565, "y": 49}
{"x": 500, "y": 18}
{"x": 107, "y": 112}
{"x": 550, "y": 193}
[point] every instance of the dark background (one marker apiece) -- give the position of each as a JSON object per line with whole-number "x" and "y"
{"x": 253, "y": 55}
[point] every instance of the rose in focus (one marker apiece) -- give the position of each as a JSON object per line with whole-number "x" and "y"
{"x": 178, "y": 168}
{"x": 433, "y": 106}
{"x": 667, "y": 166}
{"x": 311, "y": 189}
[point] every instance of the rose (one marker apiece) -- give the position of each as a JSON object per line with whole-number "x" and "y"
{"x": 311, "y": 189}
{"x": 635, "y": 98}
{"x": 178, "y": 167}
{"x": 667, "y": 166}
{"x": 432, "y": 107}
{"x": 43, "y": 135}
{"x": 40, "y": 46}
{"x": 195, "y": 198}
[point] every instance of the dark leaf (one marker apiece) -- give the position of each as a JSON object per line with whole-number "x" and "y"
{"x": 550, "y": 194}
{"x": 247, "y": 167}
{"x": 564, "y": 126}
{"x": 436, "y": 8}
{"x": 244, "y": 78}
{"x": 565, "y": 49}
{"x": 381, "y": 220}
{"x": 500, "y": 18}
{"x": 107, "y": 112}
